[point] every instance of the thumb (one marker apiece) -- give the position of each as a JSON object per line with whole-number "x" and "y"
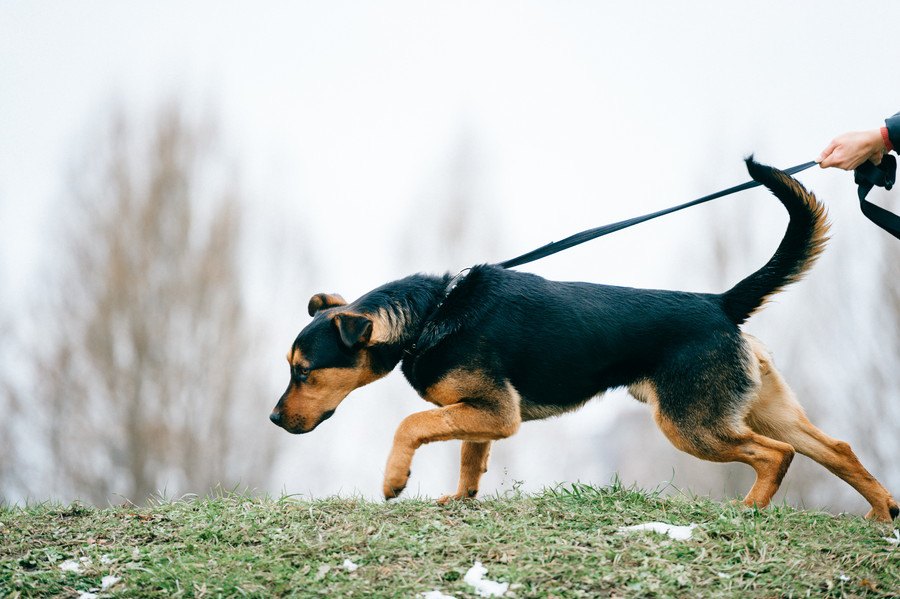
{"x": 827, "y": 152}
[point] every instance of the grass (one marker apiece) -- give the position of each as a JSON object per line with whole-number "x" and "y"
{"x": 559, "y": 543}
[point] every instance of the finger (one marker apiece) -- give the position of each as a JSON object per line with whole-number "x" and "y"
{"x": 827, "y": 152}
{"x": 828, "y": 161}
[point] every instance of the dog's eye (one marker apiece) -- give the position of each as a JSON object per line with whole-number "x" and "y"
{"x": 300, "y": 373}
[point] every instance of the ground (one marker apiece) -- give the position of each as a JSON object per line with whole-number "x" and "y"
{"x": 563, "y": 542}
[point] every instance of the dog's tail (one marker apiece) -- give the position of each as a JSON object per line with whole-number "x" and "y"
{"x": 803, "y": 241}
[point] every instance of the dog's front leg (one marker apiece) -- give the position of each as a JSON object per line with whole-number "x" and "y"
{"x": 477, "y": 422}
{"x": 473, "y": 461}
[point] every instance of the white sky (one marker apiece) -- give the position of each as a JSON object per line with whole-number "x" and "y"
{"x": 340, "y": 114}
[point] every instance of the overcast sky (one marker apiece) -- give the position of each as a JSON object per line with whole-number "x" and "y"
{"x": 580, "y": 113}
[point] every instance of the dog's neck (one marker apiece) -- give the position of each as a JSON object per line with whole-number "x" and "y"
{"x": 401, "y": 309}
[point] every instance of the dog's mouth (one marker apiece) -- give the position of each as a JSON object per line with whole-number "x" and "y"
{"x": 300, "y": 430}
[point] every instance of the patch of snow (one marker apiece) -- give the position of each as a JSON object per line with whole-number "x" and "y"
{"x": 87, "y": 595}
{"x": 679, "y": 533}
{"x": 723, "y": 575}
{"x": 349, "y": 566}
{"x": 485, "y": 588}
{"x": 322, "y": 571}
{"x": 844, "y": 578}
{"x": 894, "y": 540}
{"x": 435, "y": 594}
{"x": 108, "y": 581}
{"x": 71, "y": 565}
{"x": 106, "y": 560}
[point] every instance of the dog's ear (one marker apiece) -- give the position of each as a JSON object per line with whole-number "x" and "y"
{"x": 355, "y": 330}
{"x": 321, "y": 301}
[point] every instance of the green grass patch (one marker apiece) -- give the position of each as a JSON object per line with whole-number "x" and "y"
{"x": 563, "y": 542}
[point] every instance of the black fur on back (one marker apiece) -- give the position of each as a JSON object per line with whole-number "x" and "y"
{"x": 560, "y": 343}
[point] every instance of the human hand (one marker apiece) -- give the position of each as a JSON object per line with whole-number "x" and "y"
{"x": 849, "y": 150}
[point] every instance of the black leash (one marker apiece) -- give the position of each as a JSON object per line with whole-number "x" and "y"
{"x": 866, "y": 176}
{"x": 882, "y": 175}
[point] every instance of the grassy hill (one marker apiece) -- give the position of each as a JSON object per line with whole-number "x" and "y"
{"x": 564, "y": 542}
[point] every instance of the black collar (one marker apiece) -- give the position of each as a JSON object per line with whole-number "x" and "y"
{"x": 413, "y": 349}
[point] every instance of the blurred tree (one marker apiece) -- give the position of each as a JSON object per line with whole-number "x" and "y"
{"x": 883, "y": 396}
{"x": 144, "y": 377}
{"x": 10, "y": 410}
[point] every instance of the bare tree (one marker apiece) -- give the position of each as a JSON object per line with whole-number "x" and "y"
{"x": 10, "y": 409}
{"x": 884, "y": 362}
{"x": 145, "y": 372}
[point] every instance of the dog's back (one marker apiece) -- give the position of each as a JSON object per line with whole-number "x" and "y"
{"x": 560, "y": 343}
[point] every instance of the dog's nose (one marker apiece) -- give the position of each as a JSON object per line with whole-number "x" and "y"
{"x": 275, "y": 417}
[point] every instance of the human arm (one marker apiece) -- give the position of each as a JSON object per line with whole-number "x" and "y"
{"x": 849, "y": 150}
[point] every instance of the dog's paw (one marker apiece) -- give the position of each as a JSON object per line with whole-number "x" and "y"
{"x": 467, "y": 496}
{"x": 740, "y": 504}
{"x": 394, "y": 485}
{"x": 884, "y": 514}
{"x": 392, "y": 492}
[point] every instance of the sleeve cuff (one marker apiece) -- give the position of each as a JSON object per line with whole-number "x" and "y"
{"x": 892, "y": 131}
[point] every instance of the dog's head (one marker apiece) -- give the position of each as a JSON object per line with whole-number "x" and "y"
{"x": 330, "y": 358}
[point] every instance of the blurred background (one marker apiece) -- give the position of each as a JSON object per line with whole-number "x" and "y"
{"x": 178, "y": 178}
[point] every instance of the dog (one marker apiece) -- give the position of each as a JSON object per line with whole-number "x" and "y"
{"x": 493, "y": 348}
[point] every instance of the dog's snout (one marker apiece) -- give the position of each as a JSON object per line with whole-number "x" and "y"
{"x": 275, "y": 417}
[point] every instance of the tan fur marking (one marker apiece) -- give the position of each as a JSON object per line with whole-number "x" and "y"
{"x": 776, "y": 413}
{"x": 322, "y": 301}
{"x": 473, "y": 461}
{"x": 768, "y": 457}
{"x": 491, "y": 413}
{"x": 458, "y": 385}
{"x": 295, "y": 358}
{"x": 388, "y": 325}
{"x": 644, "y": 391}
{"x": 322, "y": 392}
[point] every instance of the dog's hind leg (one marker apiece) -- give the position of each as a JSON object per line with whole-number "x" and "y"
{"x": 768, "y": 457}
{"x": 776, "y": 413}
{"x": 476, "y": 408}
{"x": 473, "y": 461}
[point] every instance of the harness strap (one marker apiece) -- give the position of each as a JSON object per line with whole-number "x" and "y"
{"x": 867, "y": 176}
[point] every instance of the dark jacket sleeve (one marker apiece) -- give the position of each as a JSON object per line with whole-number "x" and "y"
{"x": 893, "y": 126}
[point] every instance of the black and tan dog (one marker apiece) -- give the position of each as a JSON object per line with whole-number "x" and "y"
{"x": 499, "y": 347}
